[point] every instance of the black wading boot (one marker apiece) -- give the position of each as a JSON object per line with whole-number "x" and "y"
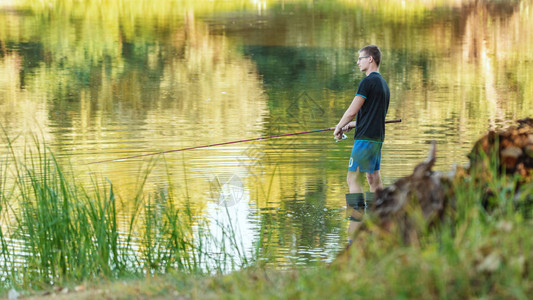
{"x": 369, "y": 196}
{"x": 355, "y": 201}
{"x": 355, "y": 208}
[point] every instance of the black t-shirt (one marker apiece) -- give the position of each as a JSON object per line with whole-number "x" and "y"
{"x": 371, "y": 117}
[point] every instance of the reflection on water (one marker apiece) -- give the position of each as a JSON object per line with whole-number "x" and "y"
{"x": 113, "y": 81}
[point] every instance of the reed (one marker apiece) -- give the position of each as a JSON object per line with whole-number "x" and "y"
{"x": 57, "y": 230}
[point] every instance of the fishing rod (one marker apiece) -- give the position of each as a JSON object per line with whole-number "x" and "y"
{"x": 224, "y": 143}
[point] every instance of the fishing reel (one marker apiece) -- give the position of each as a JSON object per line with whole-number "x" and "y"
{"x": 342, "y": 138}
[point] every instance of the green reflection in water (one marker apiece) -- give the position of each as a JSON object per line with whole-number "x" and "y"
{"x": 106, "y": 80}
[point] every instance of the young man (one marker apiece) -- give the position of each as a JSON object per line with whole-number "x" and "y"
{"x": 370, "y": 105}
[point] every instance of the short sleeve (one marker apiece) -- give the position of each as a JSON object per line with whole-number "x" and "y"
{"x": 364, "y": 88}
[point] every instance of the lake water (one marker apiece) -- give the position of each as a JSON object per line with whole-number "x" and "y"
{"x": 104, "y": 80}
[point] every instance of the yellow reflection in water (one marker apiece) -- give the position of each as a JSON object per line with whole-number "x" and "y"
{"x": 102, "y": 80}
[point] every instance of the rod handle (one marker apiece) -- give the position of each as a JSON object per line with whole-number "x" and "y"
{"x": 393, "y": 121}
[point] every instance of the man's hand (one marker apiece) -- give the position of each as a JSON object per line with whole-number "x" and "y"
{"x": 340, "y": 130}
{"x": 348, "y": 126}
{"x": 338, "y": 133}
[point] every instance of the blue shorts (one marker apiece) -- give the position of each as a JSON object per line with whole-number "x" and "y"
{"x": 366, "y": 155}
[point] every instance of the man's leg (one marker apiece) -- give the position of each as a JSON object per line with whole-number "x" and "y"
{"x": 363, "y": 158}
{"x": 373, "y": 176}
{"x": 355, "y": 201}
{"x": 374, "y": 180}
{"x": 354, "y": 186}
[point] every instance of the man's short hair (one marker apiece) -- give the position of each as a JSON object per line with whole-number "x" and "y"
{"x": 373, "y": 51}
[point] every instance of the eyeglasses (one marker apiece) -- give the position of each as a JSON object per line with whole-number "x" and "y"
{"x": 359, "y": 59}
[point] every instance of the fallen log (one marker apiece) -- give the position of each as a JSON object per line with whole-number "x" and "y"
{"x": 425, "y": 191}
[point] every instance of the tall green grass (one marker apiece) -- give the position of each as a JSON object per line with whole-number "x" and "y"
{"x": 56, "y": 230}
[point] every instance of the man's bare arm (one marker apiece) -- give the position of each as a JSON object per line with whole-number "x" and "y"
{"x": 349, "y": 115}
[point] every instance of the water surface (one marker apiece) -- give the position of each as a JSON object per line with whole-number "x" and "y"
{"x": 99, "y": 81}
